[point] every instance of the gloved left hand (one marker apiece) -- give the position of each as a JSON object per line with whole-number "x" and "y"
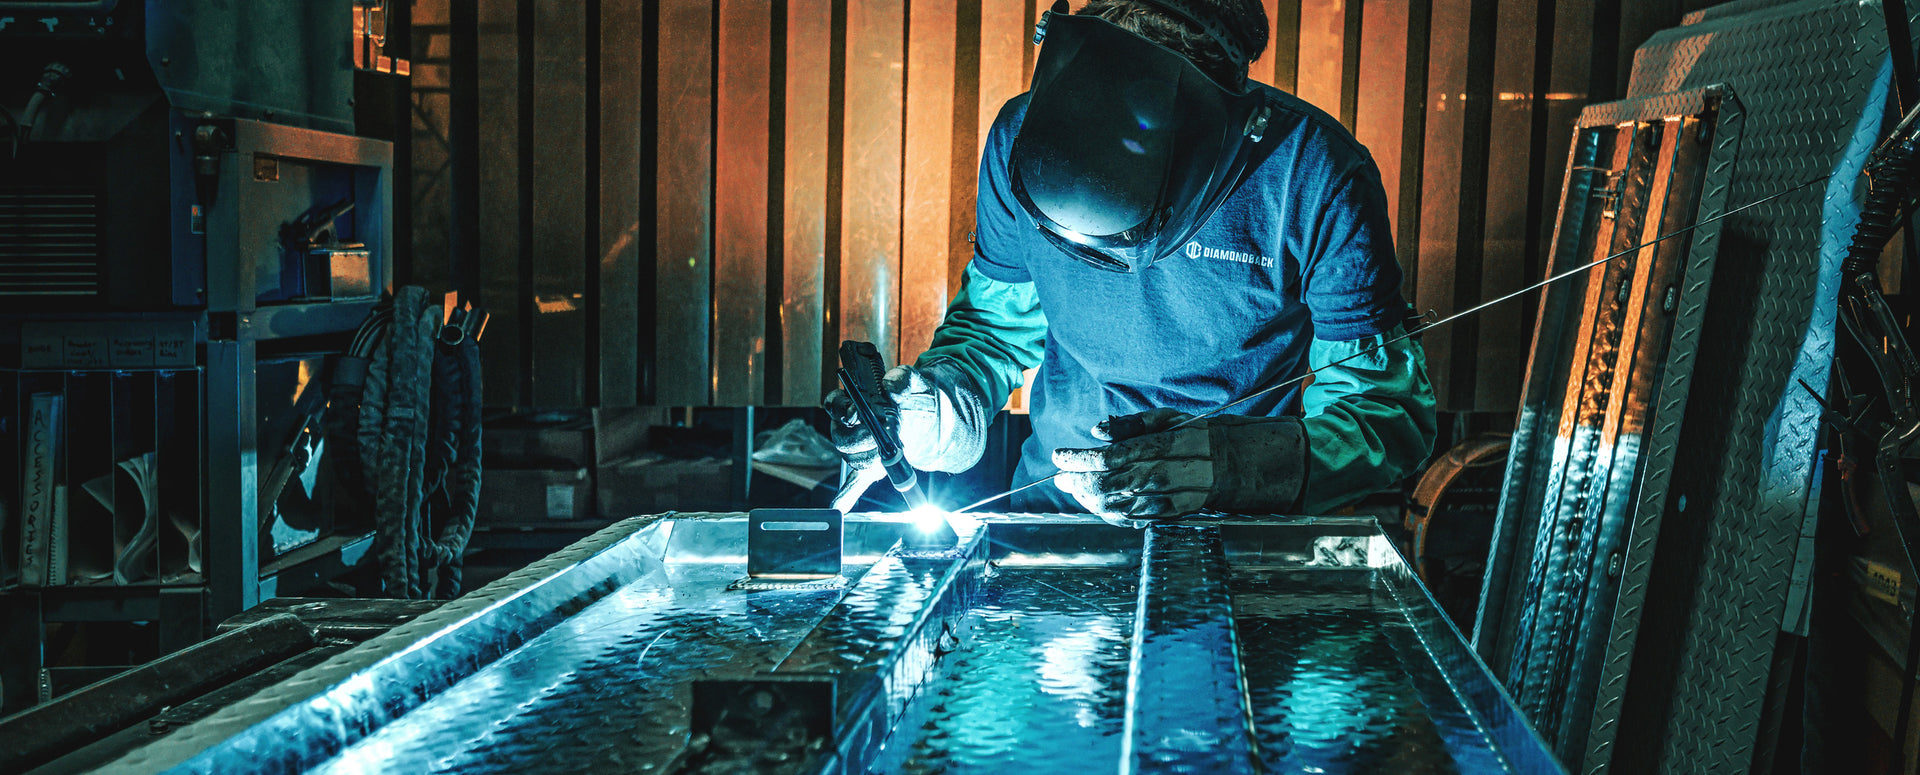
{"x": 1152, "y": 469}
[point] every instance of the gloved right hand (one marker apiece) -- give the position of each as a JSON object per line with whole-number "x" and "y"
{"x": 1163, "y": 463}
{"x": 943, "y": 425}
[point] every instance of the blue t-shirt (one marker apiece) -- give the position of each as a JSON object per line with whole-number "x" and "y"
{"x": 1303, "y": 248}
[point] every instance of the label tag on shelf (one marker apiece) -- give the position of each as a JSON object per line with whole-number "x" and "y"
{"x": 559, "y": 501}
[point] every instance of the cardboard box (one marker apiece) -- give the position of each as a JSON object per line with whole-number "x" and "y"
{"x": 538, "y": 441}
{"x": 622, "y": 434}
{"x": 511, "y": 496}
{"x": 651, "y": 485}
{"x": 565, "y": 440}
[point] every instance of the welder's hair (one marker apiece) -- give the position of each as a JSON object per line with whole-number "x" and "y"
{"x": 1246, "y": 18}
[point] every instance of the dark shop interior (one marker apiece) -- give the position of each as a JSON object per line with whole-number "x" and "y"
{"x": 959, "y": 386}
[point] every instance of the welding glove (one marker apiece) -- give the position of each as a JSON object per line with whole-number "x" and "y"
{"x": 1368, "y": 421}
{"x": 943, "y": 425}
{"x": 993, "y": 331}
{"x": 1155, "y": 469}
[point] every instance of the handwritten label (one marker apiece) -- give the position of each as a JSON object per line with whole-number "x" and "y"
{"x": 40, "y": 349}
{"x": 85, "y": 350}
{"x": 173, "y": 346}
{"x": 132, "y": 351}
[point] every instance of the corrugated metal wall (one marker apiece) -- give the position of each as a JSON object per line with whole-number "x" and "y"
{"x": 688, "y": 203}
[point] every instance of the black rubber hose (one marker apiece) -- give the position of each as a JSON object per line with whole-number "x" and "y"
{"x": 1870, "y": 322}
{"x": 1887, "y": 196}
{"x": 47, "y": 88}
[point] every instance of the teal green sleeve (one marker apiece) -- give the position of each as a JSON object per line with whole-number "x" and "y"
{"x": 1369, "y": 420}
{"x": 993, "y": 332}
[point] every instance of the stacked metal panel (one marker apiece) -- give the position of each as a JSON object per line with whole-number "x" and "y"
{"x": 1651, "y": 533}
{"x": 1611, "y": 342}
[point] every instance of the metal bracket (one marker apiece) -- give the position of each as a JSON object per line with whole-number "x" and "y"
{"x": 793, "y": 543}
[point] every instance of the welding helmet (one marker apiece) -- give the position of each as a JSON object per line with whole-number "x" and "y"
{"x": 1127, "y": 147}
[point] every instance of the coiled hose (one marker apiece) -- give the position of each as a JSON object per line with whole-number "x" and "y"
{"x": 1890, "y": 195}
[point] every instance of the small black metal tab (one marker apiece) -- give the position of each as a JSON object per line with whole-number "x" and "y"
{"x": 793, "y": 543}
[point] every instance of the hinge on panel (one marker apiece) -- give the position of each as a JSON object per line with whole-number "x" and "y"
{"x": 1610, "y": 194}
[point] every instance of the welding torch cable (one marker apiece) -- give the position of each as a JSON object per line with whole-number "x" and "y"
{"x": 1423, "y": 328}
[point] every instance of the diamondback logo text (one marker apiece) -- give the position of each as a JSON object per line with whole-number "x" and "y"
{"x": 1197, "y": 250}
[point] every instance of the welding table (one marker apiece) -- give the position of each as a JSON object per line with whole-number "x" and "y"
{"x": 1040, "y": 641}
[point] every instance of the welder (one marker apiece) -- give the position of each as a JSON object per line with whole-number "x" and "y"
{"x": 1163, "y": 236}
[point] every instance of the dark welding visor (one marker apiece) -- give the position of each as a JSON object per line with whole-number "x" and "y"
{"x": 1126, "y": 147}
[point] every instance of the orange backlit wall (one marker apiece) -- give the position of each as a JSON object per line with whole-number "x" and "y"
{"x": 690, "y": 203}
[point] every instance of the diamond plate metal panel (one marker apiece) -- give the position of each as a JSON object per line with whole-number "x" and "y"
{"x": 1599, "y": 367}
{"x": 1680, "y": 103}
{"x": 1639, "y": 602}
{"x": 1548, "y": 635}
{"x": 1805, "y": 74}
{"x": 1529, "y": 456}
{"x": 1040, "y": 643}
{"x": 1187, "y": 703}
{"x": 1661, "y": 442}
{"x": 1734, "y": 8}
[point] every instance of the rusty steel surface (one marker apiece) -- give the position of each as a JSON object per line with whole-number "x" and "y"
{"x": 1380, "y": 112}
{"x": 1010, "y": 652}
{"x": 1447, "y": 262}
{"x": 1262, "y": 68}
{"x": 1004, "y": 39}
{"x": 1284, "y": 46}
{"x": 1508, "y": 257}
{"x": 926, "y": 228}
{"x": 1322, "y": 51}
{"x": 682, "y": 296}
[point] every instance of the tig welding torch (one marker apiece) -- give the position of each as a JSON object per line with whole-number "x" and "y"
{"x": 860, "y": 375}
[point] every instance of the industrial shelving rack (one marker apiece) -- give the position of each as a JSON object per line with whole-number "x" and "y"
{"x": 206, "y": 443}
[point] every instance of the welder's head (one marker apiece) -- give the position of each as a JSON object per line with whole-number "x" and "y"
{"x": 1221, "y": 37}
{"x": 1139, "y": 124}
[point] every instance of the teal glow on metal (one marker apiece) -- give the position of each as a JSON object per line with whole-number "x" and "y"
{"x": 1041, "y": 643}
